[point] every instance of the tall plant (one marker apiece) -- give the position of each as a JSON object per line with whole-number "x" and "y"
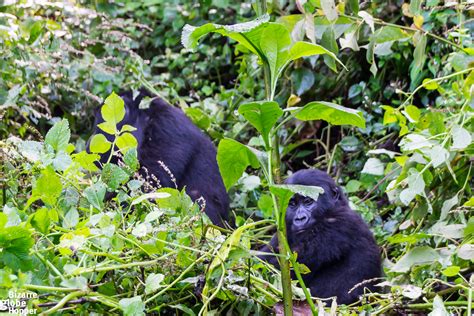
{"x": 273, "y": 45}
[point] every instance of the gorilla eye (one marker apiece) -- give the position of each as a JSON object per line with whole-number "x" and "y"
{"x": 292, "y": 203}
{"x": 308, "y": 201}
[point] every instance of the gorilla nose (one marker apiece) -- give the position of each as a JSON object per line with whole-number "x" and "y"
{"x": 300, "y": 220}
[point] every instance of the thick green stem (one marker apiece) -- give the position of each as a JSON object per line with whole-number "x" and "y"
{"x": 274, "y": 176}
{"x": 285, "y": 273}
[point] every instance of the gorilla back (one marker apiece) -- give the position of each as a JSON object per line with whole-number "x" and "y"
{"x": 165, "y": 134}
{"x": 332, "y": 240}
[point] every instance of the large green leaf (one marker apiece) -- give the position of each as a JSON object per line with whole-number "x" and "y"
{"x": 48, "y": 187}
{"x": 233, "y": 158}
{"x": 262, "y": 115}
{"x": 191, "y": 34}
{"x": 416, "y": 256}
{"x": 274, "y": 44}
{"x": 58, "y": 136}
{"x": 332, "y": 113}
{"x": 99, "y": 144}
{"x": 113, "y": 110}
{"x": 270, "y": 41}
{"x": 15, "y": 244}
{"x": 389, "y": 34}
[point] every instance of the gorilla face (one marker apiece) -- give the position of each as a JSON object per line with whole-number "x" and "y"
{"x": 304, "y": 213}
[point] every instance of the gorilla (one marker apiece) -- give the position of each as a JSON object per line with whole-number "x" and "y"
{"x": 332, "y": 240}
{"x": 166, "y": 136}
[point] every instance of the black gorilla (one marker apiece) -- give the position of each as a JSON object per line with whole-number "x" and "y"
{"x": 165, "y": 134}
{"x": 332, "y": 240}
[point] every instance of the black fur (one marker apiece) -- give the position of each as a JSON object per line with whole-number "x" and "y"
{"x": 334, "y": 243}
{"x": 164, "y": 133}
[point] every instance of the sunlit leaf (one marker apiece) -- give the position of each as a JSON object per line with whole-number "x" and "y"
{"x": 126, "y": 141}
{"x": 99, "y": 144}
{"x": 262, "y": 115}
{"x": 416, "y": 256}
{"x": 113, "y": 110}
{"x": 332, "y": 113}
{"x": 233, "y": 158}
{"x": 58, "y": 136}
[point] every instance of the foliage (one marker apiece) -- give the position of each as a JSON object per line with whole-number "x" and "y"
{"x": 393, "y": 125}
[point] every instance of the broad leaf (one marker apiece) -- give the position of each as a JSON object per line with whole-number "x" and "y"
{"x": 113, "y": 110}
{"x": 191, "y": 34}
{"x": 48, "y": 187}
{"x": 132, "y": 306}
{"x": 15, "y": 244}
{"x": 416, "y": 256}
{"x": 58, "y": 136}
{"x": 332, "y": 113}
{"x": 99, "y": 144}
{"x": 113, "y": 176}
{"x": 126, "y": 141}
{"x": 95, "y": 194}
{"x": 262, "y": 115}
{"x": 233, "y": 158}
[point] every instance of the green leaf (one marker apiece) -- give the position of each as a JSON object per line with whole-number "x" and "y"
{"x": 262, "y": 115}
{"x": 95, "y": 194}
{"x": 332, "y": 113}
{"x": 373, "y": 166}
{"x": 274, "y": 43}
{"x": 416, "y": 186}
{"x": 108, "y": 127}
{"x": 132, "y": 306}
{"x": 99, "y": 144}
{"x": 430, "y": 84}
{"x": 233, "y": 158}
{"x": 15, "y": 245}
{"x": 113, "y": 176}
{"x": 48, "y": 187}
{"x": 199, "y": 117}
{"x": 191, "y": 35}
{"x": 265, "y": 204}
{"x": 305, "y": 49}
{"x": 451, "y": 271}
{"x": 58, "y": 136}
{"x": 389, "y": 34}
{"x": 113, "y": 110}
{"x": 419, "y": 57}
{"x": 438, "y": 307}
{"x": 461, "y": 138}
{"x": 328, "y": 41}
{"x": 329, "y": 9}
{"x": 412, "y": 113}
{"x": 131, "y": 160}
{"x": 153, "y": 282}
{"x": 41, "y": 220}
{"x": 352, "y": 6}
{"x": 151, "y": 196}
{"x": 127, "y": 128}
{"x": 126, "y": 141}
{"x": 303, "y": 80}
{"x": 416, "y": 256}
{"x": 86, "y": 161}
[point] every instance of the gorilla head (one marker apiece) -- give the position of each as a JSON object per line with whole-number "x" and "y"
{"x": 332, "y": 240}
{"x": 304, "y": 213}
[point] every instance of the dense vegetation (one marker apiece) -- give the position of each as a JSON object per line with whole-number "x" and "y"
{"x": 378, "y": 94}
